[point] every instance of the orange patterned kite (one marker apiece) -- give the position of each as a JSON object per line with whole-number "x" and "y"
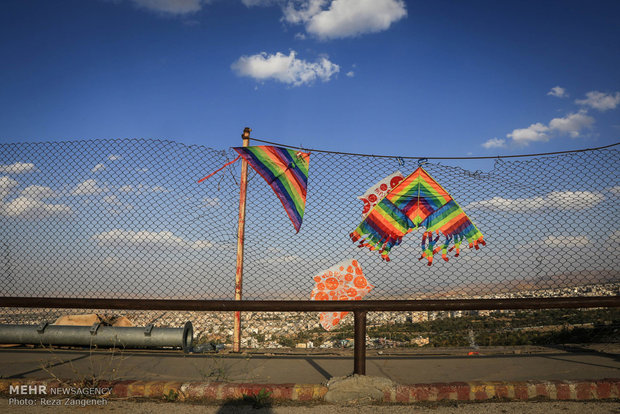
{"x": 344, "y": 281}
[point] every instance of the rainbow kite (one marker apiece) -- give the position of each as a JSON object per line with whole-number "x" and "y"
{"x": 285, "y": 170}
{"x": 417, "y": 201}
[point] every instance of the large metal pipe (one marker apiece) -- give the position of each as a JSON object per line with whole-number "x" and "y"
{"x": 99, "y": 335}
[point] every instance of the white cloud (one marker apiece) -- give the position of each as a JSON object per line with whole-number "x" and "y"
{"x": 37, "y": 192}
{"x": 563, "y": 242}
{"x": 141, "y": 188}
{"x": 350, "y": 74}
{"x": 116, "y": 206}
{"x": 113, "y": 200}
{"x": 18, "y": 168}
{"x": 88, "y": 187}
{"x": 147, "y": 239}
{"x": 210, "y": 202}
{"x": 558, "y": 92}
{"x": 287, "y": 258}
{"x": 301, "y": 11}
{"x": 495, "y": 143}
{"x": 562, "y": 200}
{"x": 344, "y": 18}
{"x": 599, "y": 100}
{"x": 614, "y": 190}
{"x": 572, "y": 124}
{"x": 113, "y": 157}
{"x": 30, "y": 208}
{"x": 29, "y": 204}
{"x": 174, "y": 7}
{"x": 285, "y": 69}
{"x": 533, "y": 133}
{"x": 159, "y": 189}
{"x": 98, "y": 167}
{"x": 613, "y": 242}
{"x": 6, "y": 185}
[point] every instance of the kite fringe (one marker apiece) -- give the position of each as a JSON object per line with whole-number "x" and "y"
{"x": 429, "y": 245}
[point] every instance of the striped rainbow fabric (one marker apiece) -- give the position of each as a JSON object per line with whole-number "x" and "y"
{"x": 286, "y": 171}
{"x": 417, "y": 201}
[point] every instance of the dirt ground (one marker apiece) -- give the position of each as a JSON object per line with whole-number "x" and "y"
{"x": 149, "y": 407}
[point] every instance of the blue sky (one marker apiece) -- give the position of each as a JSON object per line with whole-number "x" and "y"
{"x": 440, "y": 78}
{"x": 435, "y": 78}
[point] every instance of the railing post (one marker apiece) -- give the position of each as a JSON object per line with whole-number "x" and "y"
{"x": 359, "y": 352}
{"x": 240, "y": 240}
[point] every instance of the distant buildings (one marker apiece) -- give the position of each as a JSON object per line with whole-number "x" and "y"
{"x": 261, "y": 330}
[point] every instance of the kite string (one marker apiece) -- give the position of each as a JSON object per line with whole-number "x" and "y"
{"x": 220, "y": 169}
{"x": 439, "y": 158}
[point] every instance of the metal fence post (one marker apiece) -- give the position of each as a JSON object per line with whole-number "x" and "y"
{"x": 359, "y": 352}
{"x": 240, "y": 239}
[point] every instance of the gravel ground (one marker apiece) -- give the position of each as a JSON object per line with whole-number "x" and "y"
{"x": 148, "y": 407}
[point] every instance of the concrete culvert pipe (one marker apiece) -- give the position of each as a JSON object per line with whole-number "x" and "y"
{"x": 99, "y": 335}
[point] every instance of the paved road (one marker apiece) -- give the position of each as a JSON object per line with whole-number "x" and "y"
{"x": 401, "y": 366}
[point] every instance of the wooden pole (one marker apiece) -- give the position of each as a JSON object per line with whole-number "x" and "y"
{"x": 243, "y": 187}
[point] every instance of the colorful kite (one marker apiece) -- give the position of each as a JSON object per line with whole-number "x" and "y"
{"x": 285, "y": 170}
{"x": 417, "y": 201}
{"x": 376, "y": 193}
{"x": 344, "y": 281}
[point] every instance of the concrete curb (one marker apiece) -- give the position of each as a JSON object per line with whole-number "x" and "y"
{"x": 454, "y": 391}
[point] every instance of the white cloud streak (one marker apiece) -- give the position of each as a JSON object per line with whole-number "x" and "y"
{"x": 210, "y": 202}
{"x": 600, "y": 101}
{"x": 18, "y": 168}
{"x": 563, "y": 242}
{"x": 171, "y": 7}
{"x": 285, "y": 69}
{"x": 88, "y": 187}
{"x": 561, "y": 200}
{"x": 98, "y": 167}
{"x": 166, "y": 240}
{"x": 37, "y": 192}
{"x": 29, "y": 208}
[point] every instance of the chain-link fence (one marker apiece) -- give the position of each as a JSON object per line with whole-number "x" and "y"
{"x": 127, "y": 219}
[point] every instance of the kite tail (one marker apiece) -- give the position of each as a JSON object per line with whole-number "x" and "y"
{"x": 219, "y": 169}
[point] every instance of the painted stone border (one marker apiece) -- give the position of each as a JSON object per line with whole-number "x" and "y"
{"x": 581, "y": 390}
